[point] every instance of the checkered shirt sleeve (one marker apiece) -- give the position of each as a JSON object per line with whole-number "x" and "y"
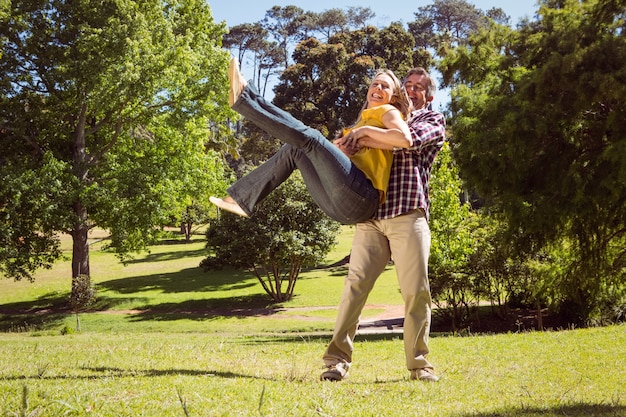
{"x": 410, "y": 173}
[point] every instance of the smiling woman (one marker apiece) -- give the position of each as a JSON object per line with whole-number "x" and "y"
{"x": 347, "y": 183}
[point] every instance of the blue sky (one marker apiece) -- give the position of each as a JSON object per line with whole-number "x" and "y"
{"x": 235, "y": 12}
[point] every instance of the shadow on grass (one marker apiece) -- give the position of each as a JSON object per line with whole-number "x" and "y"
{"x": 185, "y": 280}
{"x": 486, "y": 319}
{"x": 23, "y": 317}
{"x": 168, "y": 256}
{"x": 48, "y": 311}
{"x": 570, "y": 410}
{"x": 43, "y": 313}
{"x": 255, "y": 305}
{"x": 310, "y": 337}
{"x": 126, "y": 373}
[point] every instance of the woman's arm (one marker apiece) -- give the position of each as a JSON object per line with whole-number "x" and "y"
{"x": 426, "y": 128}
{"x": 395, "y": 134}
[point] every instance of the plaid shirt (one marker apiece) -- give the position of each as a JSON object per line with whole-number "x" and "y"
{"x": 410, "y": 171}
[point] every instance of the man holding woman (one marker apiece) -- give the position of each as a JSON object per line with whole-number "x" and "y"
{"x": 391, "y": 217}
{"x": 348, "y": 189}
{"x": 398, "y": 229}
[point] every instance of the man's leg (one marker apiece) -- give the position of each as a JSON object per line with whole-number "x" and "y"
{"x": 409, "y": 239}
{"x": 368, "y": 258}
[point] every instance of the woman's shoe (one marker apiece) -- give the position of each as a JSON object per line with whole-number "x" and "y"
{"x": 228, "y": 204}
{"x": 237, "y": 82}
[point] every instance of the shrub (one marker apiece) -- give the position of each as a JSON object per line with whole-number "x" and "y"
{"x": 287, "y": 232}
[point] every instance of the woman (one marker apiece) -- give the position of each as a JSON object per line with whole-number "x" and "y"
{"x": 349, "y": 191}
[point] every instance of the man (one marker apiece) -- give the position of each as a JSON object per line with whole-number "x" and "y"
{"x": 399, "y": 229}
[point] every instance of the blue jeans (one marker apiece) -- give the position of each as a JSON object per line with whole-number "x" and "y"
{"x": 336, "y": 185}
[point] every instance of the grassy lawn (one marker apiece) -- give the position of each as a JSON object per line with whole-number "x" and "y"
{"x": 167, "y": 339}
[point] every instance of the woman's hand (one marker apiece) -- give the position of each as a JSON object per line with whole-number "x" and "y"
{"x": 347, "y": 145}
{"x": 351, "y": 140}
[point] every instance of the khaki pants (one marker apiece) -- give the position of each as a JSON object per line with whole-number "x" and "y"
{"x": 407, "y": 239}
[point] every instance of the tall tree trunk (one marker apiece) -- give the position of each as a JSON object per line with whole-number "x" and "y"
{"x": 80, "y": 248}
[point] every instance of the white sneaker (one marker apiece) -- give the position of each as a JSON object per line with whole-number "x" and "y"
{"x": 228, "y": 204}
{"x": 237, "y": 82}
{"x": 335, "y": 372}
{"x": 424, "y": 374}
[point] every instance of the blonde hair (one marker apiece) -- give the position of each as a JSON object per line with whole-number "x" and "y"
{"x": 399, "y": 99}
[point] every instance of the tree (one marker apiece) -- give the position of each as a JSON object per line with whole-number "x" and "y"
{"x": 82, "y": 296}
{"x": 327, "y": 85}
{"x": 452, "y": 246}
{"x": 104, "y": 114}
{"x": 540, "y": 123}
{"x": 206, "y": 175}
{"x": 287, "y": 233}
{"x": 333, "y": 21}
{"x": 359, "y": 16}
{"x": 244, "y": 38}
{"x": 271, "y": 41}
{"x": 318, "y": 90}
{"x": 328, "y": 22}
{"x": 285, "y": 25}
{"x": 448, "y": 23}
{"x": 251, "y": 38}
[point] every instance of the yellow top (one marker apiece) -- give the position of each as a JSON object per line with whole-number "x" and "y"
{"x": 375, "y": 163}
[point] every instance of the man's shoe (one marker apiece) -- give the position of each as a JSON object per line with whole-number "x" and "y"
{"x": 335, "y": 372}
{"x": 237, "y": 82}
{"x": 228, "y": 204}
{"x": 424, "y": 374}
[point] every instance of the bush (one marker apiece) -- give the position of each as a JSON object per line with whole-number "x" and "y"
{"x": 287, "y": 232}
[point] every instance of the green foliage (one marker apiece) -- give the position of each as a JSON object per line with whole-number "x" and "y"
{"x": 29, "y": 242}
{"x": 327, "y": 85}
{"x": 449, "y": 214}
{"x": 500, "y": 274}
{"x": 67, "y": 330}
{"x": 83, "y": 293}
{"x": 286, "y": 233}
{"x": 451, "y": 286}
{"x": 563, "y": 288}
{"x": 540, "y": 127}
{"x": 270, "y": 42}
{"x": 82, "y": 296}
{"x": 447, "y": 23}
{"x": 110, "y": 107}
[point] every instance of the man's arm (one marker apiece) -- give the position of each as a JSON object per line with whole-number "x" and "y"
{"x": 426, "y": 128}
{"x": 395, "y": 134}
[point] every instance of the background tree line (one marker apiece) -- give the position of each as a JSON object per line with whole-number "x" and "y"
{"x": 114, "y": 115}
{"x": 536, "y": 134}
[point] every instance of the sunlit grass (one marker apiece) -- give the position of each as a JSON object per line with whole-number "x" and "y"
{"x": 166, "y": 339}
{"x": 113, "y": 374}
{"x": 166, "y": 285}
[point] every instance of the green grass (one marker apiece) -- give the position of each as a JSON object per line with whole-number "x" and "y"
{"x": 573, "y": 373}
{"x": 167, "y": 339}
{"x": 166, "y": 285}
